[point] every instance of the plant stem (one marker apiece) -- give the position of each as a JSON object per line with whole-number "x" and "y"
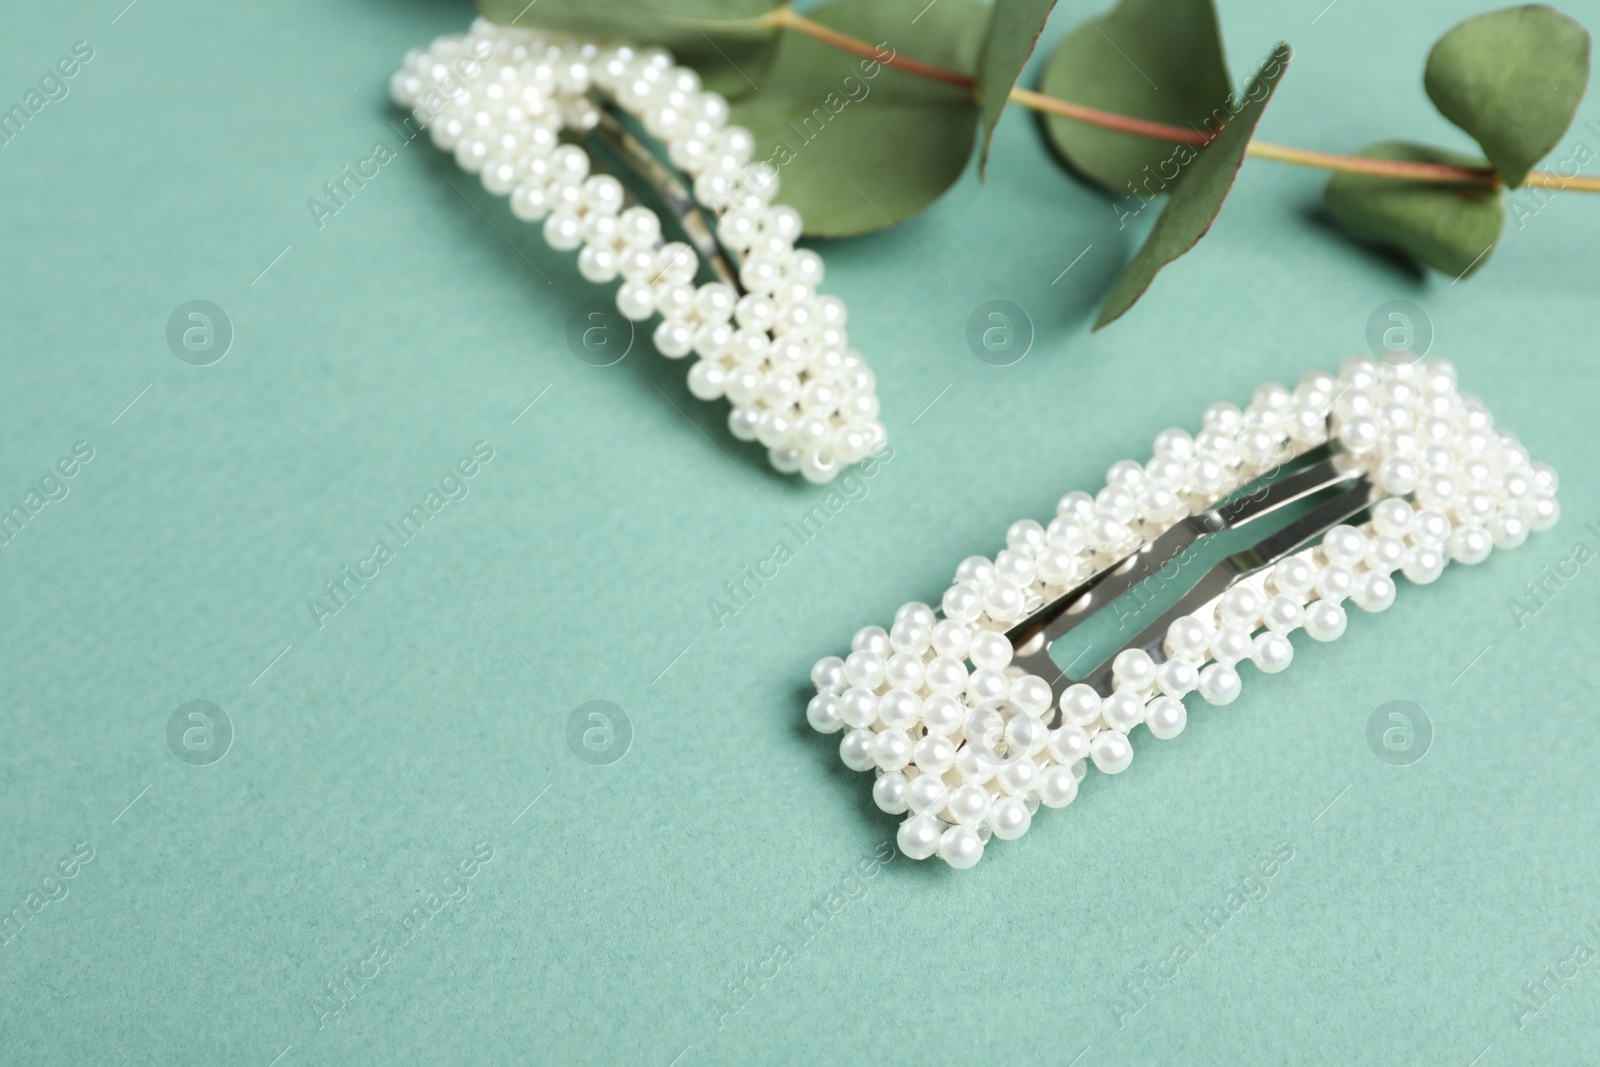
{"x": 1439, "y": 173}
{"x": 1109, "y": 120}
{"x": 787, "y": 18}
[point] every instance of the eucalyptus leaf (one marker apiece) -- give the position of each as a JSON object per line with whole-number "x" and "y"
{"x": 1014, "y": 30}
{"x": 1201, "y": 187}
{"x": 859, "y": 145}
{"x": 1158, "y": 60}
{"x": 1449, "y": 227}
{"x": 729, "y": 42}
{"x": 1513, "y": 79}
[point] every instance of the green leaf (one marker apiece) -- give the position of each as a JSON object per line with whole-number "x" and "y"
{"x": 1013, "y": 32}
{"x": 1199, "y": 192}
{"x": 1450, "y": 227}
{"x": 1513, "y": 79}
{"x": 1158, "y": 60}
{"x": 859, "y": 145}
{"x": 729, "y": 42}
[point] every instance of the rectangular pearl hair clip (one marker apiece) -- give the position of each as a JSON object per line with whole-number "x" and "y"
{"x": 1311, "y": 497}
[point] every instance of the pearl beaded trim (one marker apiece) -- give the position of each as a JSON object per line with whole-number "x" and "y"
{"x": 960, "y": 738}
{"x": 497, "y": 97}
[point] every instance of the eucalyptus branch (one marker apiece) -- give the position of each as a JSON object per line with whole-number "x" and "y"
{"x": 1438, "y": 173}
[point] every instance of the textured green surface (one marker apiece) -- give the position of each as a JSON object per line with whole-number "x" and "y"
{"x": 380, "y": 750}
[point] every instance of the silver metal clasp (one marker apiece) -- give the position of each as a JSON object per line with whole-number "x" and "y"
{"x": 1333, "y": 485}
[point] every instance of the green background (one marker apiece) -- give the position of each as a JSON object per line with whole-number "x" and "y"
{"x": 379, "y": 750}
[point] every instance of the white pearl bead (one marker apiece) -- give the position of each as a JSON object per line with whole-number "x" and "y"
{"x": 1010, "y": 818}
{"x": 636, "y": 301}
{"x": 1344, "y": 545}
{"x": 1111, "y": 751}
{"x": 819, "y": 467}
{"x": 1058, "y": 786}
{"x": 1392, "y": 516}
{"x": 904, "y": 670}
{"x": 823, "y": 714}
{"x": 913, "y": 636}
{"x": 1187, "y": 637}
{"x": 1509, "y": 530}
{"x": 1032, "y": 694}
{"x": 984, "y": 686}
{"x": 1241, "y": 607}
{"x": 865, "y": 668}
{"x": 499, "y": 176}
{"x": 1293, "y": 577}
{"x": 858, "y": 707}
{"x": 1430, "y": 527}
{"x": 975, "y": 767}
{"x": 828, "y": 674}
{"x": 774, "y": 428}
{"x": 639, "y": 226}
{"x": 942, "y": 714}
{"x": 1122, "y": 710}
{"x": 891, "y": 749}
{"x": 898, "y": 709}
{"x": 602, "y": 194}
{"x": 889, "y": 792}
{"x": 1069, "y": 744}
{"x": 1019, "y": 778}
{"x": 1385, "y": 553}
{"x": 1271, "y": 652}
{"x": 707, "y": 379}
{"x": 563, "y": 231}
{"x": 927, "y": 792}
{"x": 1015, "y": 566}
{"x": 1325, "y": 620}
{"x": 856, "y": 750}
{"x": 1374, "y": 592}
{"x": 1080, "y": 705}
{"x": 1174, "y": 443}
{"x": 673, "y": 339}
{"x": 990, "y": 650}
{"x": 1335, "y": 582}
{"x": 1542, "y": 512}
{"x": 934, "y": 754}
{"x": 1284, "y": 614}
{"x": 1177, "y": 676}
{"x": 598, "y": 264}
{"x": 1424, "y": 564}
{"x": 969, "y": 804}
{"x": 946, "y": 675}
{"x": 1229, "y": 645}
{"x": 918, "y": 837}
{"x": 530, "y": 202}
{"x": 1134, "y": 669}
{"x": 870, "y": 639}
{"x": 1166, "y": 717}
{"x": 1470, "y": 544}
{"x": 960, "y": 847}
{"x": 950, "y": 638}
{"x": 1220, "y": 684}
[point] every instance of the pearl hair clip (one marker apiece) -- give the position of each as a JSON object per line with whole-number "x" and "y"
{"x": 501, "y": 98}
{"x": 969, "y": 722}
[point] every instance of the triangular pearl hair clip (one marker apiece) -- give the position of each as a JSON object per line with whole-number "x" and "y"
{"x": 501, "y": 98}
{"x": 970, "y": 725}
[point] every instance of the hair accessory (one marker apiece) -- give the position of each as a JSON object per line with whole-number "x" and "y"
{"x": 1312, "y": 497}
{"x": 501, "y": 99}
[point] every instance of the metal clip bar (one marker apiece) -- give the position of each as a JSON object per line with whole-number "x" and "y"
{"x": 670, "y": 188}
{"x": 1033, "y": 636}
